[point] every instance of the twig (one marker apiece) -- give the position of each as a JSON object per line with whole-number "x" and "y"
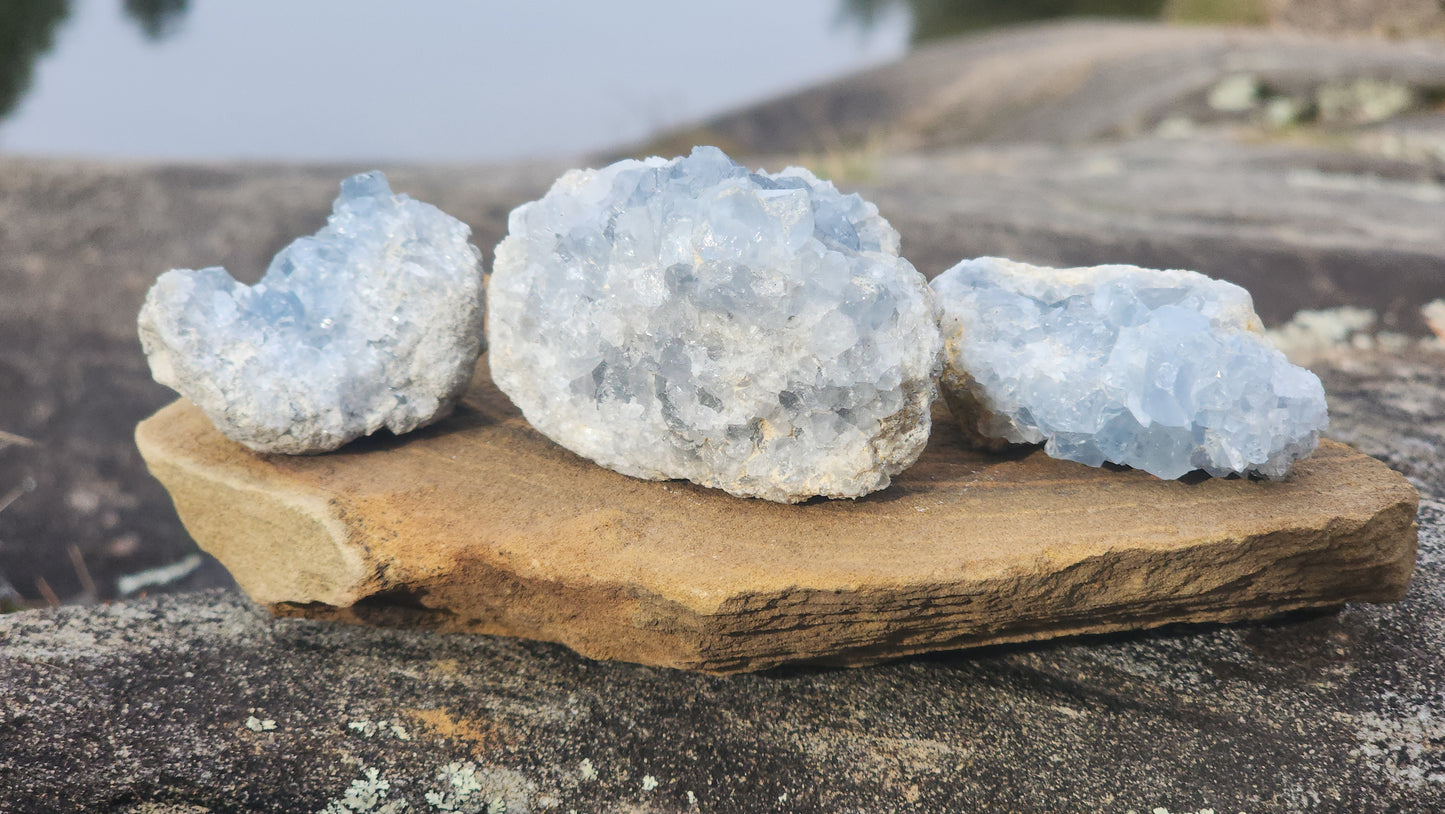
{"x": 128, "y": 584}
{"x": 78, "y": 563}
{"x": 26, "y": 485}
{"x": 44, "y": 588}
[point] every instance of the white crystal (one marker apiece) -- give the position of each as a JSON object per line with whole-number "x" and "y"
{"x": 752, "y": 332}
{"x": 375, "y": 321}
{"x": 1165, "y": 371}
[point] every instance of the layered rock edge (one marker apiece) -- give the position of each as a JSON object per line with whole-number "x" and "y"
{"x": 479, "y": 524}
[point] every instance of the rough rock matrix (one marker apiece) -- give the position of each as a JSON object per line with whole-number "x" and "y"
{"x": 1165, "y": 371}
{"x": 375, "y": 321}
{"x": 752, "y": 332}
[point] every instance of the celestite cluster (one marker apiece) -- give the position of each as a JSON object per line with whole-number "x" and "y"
{"x": 1165, "y": 371}
{"x": 752, "y": 332}
{"x": 375, "y": 321}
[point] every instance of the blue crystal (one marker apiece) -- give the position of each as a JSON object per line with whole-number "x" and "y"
{"x": 364, "y": 185}
{"x": 754, "y": 332}
{"x": 372, "y": 322}
{"x": 1165, "y": 371}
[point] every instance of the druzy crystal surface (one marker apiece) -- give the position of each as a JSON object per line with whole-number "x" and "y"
{"x": 1165, "y": 371}
{"x": 752, "y": 332}
{"x": 375, "y": 321}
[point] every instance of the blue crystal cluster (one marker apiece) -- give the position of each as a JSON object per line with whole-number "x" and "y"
{"x": 375, "y": 321}
{"x": 1165, "y": 371}
{"x": 749, "y": 331}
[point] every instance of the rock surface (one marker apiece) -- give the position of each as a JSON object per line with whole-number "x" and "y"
{"x": 146, "y": 705}
{"x": 479, "y": 524}
{"x": 375, "y": 321}
{"x": 1164, "y": 371}
{"x": 1332, "y": 713}
{"x": 752, "y": 332}
{"x": 1391, "y": 18}
{"x": 1066, "y": 83}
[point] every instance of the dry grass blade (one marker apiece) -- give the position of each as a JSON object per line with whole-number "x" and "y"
{"x": 77, "y": 561}
{"x": 47, "y": 592}
{"x": 10, "y": 439}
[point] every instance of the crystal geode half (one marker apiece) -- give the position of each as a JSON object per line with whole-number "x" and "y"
{"x": 1165, "y": 371}
{"x": 753, "y": 332}
{"x": 375, "y": 321}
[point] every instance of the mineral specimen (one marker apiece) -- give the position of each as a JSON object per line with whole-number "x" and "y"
{"x": 752, "y": 332}
{"x": 374, "y": 321}
{"x": 1165, "y": 371}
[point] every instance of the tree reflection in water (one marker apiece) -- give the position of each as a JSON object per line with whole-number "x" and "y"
{"x": 157, "y": 18}
{"x": 935, "y": 19}
{"x": 27, "y": 32}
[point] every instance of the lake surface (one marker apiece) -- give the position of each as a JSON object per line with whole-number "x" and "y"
{"x": 378, "y": 80}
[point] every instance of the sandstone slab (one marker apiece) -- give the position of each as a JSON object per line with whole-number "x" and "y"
{"x": 480, "y": 524}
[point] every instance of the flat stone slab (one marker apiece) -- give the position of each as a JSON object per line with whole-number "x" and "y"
{"x": 480, "y": 524}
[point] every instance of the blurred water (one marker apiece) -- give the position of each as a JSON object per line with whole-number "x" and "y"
{"x": 368, "y": 80}
{"x": 936, "y": 19}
